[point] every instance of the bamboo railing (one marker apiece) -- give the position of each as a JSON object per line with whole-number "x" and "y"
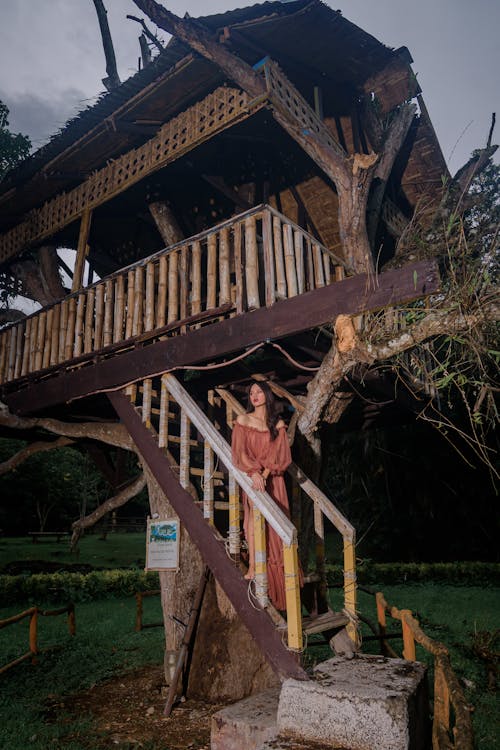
{"x": 446, "y": 735}
{"x": 33, "y": 613}
{"x": 247, "y": 262}
{"x": 203, "y": 462}
{"x": 323, "y": 509}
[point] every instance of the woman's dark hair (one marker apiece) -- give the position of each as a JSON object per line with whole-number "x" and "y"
{"x": 272, "y": 412}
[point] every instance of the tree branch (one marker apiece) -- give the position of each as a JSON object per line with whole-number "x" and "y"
{"x": 148, "y": 33}
{"x": 113, "y": 79}
{"x": 31, "y": 450}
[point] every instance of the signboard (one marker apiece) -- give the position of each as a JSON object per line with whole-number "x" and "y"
{"x": 162, "y": 544}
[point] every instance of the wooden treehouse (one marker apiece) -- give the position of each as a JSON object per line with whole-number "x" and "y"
{"x": 215, "y": 199}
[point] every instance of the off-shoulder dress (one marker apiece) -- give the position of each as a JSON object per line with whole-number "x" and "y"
{"x": 253, "y": 450}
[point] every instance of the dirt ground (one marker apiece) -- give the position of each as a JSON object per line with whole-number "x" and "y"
{"x": 127, "y": 712}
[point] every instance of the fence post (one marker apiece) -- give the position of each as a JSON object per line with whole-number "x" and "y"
{"x": 292, "y": 592}
{"x": 408, "y": 640}
{"x": 138, "y": 614}
{"x": 382, "y": 623}
{"x": 71, "y": 619}
{"x": 33, "y": 635}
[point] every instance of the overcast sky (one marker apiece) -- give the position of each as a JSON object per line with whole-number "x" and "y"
{"x": 52, "y": 63}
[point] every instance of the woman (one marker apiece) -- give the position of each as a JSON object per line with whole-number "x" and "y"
{"x": 260, "y": 448}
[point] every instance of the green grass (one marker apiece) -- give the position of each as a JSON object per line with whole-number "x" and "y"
{"x": 105, "y": 645}
{"x": 452, "y": 615}
{"x": 117, "y": 551}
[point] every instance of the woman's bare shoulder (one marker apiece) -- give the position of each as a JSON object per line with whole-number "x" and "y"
{"x": 242, "y": 419}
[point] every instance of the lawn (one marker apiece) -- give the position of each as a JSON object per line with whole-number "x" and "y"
{"x": 121, "y": 550}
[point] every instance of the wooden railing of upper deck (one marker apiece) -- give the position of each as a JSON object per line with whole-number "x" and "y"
{"x": 250, "y": 261}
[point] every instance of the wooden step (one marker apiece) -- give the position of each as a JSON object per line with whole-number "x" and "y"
{"x": 327, "y": 621}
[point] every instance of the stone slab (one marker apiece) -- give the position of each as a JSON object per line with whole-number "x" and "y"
{"x": 246, "y": 725}
{"x": 365, "y": 703}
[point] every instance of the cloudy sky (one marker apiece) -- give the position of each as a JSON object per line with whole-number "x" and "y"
{"x": 51, "y": 59}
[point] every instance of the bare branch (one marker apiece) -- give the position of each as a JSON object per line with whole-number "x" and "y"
{"x": 149, "y": 34}
{"x": 113, "y": 79}
{"x": 31, "y": 450}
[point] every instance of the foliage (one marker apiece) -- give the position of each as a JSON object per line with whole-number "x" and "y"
{"x": 453, "y": 573}
{"x": 14, "y": 147}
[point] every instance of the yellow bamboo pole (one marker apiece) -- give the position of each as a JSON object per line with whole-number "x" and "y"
{"x": 319, "y": 530}
{"x": 130, "y": 304}
{"x": 259, "y": 538}
{"x": 20, "y": 346}
{"x": 3, "y": 352}
{"x": 339, "y": 273}
{"x": 224, "y": 267}
{"x": 211, "y": 271}
{"x": 327, "y": 267}
{"x": 70, "y": 329}
{"x": 208, "y": 483}
{"x": 54, "y": 344}
{"x": 196, "y": 278}
{"x": 279, "y": 259}
{"x": 298, "y": 241}
{"x": 164, "y": 407}
{"x": 173, "y": 287}
{"x": 99, "y": 316}
{"x": 350, "y": 588}
{"x": 80, "y": 312}
{"x": 63, "y": 324}
{"x": 119, "y": 309}
{"x": 42, "y": 321}
{"x": 32, "y": 343}
{"x": 89, "y": 321}
{"x": 409, "y": 651}
{"x": 12, "y": 352}
{"x": 26, "y": 351}
{"x": 234, "y": 519}
{"x": 292, "y": 590}
{"x": 251, "y": 263}
{"x": 319, "y": 273}
{"x": 150, "y": 297}
{"x": 82, "y": 250}
{"x": 161, "y": 307}
{"x": 291, "y": 271}
{"x": 238, "y": 267}
{"x": 138, "y": 301}
{"x": 147, "y": 387}
{"x": 108, "y": 313}
{"x": 183, "y": 284}
{"x": 184, "y": 451}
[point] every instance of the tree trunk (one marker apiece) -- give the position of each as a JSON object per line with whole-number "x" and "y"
{"x": 166, "y": 223}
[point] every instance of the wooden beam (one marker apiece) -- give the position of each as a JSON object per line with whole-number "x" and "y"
{"x": 301, "y": 313}
{"x": 82, "y": 250}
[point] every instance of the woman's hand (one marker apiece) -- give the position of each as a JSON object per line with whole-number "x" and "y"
{"x": 258, "y": 482}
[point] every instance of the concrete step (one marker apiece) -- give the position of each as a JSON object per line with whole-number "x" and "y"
{"x": 364, "y": 703}
{"x": 248, "y": 724}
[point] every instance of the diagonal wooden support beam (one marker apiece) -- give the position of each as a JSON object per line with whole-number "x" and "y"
{"x": 353, "y": 296}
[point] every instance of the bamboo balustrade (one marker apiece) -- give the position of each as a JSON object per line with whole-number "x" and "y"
{"x": 323, "y": 508}
{"x": 34, "y": 613}
{"x": 252, "y": 260}
{"x": 203, "y": 462}
{"x": 447, "y": 690}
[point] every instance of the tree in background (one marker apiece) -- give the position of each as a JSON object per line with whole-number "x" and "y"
{"x": 14, "y": 147}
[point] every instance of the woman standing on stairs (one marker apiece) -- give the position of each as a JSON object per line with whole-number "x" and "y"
{"x": 260, "y": 448}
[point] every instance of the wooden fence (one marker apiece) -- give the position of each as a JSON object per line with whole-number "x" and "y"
{"x": 139, "y": 597}
{"x": 448, "y": 694}
{"x": 34, "y": 613}
{"x": 252, "y": 260}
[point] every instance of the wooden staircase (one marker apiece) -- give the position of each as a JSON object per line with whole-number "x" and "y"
{"x": 191, "y": 462}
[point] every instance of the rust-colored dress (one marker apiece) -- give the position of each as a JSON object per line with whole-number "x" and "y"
{"x": 253, "y": 450}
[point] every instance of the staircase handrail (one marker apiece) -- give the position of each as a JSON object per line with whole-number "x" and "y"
{"x": 262, "y": 500}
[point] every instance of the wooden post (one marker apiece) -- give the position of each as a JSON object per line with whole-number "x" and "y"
{"x": 119, "y": 309}
{"x": 147, "y": 387}
{"x": 89, "y": 321}
{"x": 47, "y": 338}
{"x": 63, "y": 324}
{"x": 267, "y": 241}
{"x": 339, "y": 273}
{"x": 251, "y": 263}
{"x": 224, "y": 267}
{"x": 130, "y": 304}
{"x": 259, "y": 526}
{"x": 291, "y": 271}
{"x": 82, "y": 250}
{"x": 137, "y": 322}
{"x": 292, "y": 590}
{"x": 164, "y": 407}
{"x": 184, "y": 451}
{"x": 441, "y": 700}
{"x": 211, "y": 271}
{"x": 278, "y": 256}
{"x": 150, "y": 297}
{"x": 327, "y": 267}
{"x": 196, "y": 277}
{"x": 71, "y": 619}
{"x": 3, "y": 352}
{"x": 311, "y": 279}
{"x": 319, "y": 530}
{"x": 208, "y": 483}
{"x": 108, "y": 313}
{"x": 99, "y": 316}
{"x": 32, "y": 343}
{"x": 138, "y": 612}
{"x": 161, "y": 309}
{"x": 183, "y": 284}
{"x": 319, "y": 274}
{"x": 234, "y": 519}
{"x": 12, "y": 352}
{"x": 382, "y": 623}
{"x": 173, "y": 286}
{"x": 80, "y": 311}
{"x": 408, "y": 640}
{"x": 54, "y": 344}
